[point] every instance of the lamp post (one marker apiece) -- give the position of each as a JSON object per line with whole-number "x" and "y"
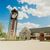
{"x": 13, "y": 25}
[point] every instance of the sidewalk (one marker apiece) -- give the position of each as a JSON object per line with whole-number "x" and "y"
{"x": 24, "y": 45}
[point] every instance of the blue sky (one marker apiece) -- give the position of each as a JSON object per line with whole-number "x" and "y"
{"x": 40, "y": 19}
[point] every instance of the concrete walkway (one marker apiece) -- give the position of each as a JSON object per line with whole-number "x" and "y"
{"x": 24, "y": 45}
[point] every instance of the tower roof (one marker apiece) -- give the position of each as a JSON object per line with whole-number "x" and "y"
{"x": 14, "y": 10}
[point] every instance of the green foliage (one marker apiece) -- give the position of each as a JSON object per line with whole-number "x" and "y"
{"x": 17, "y": 38}
{"x": 2, "y": 35}
{"x": 1, "y": 27}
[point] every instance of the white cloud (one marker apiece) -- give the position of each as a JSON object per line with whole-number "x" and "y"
{"x": 29, "y": 25}
{"x": 9, "y": 7}
{"x": 21, "y": 14}
{"x": 35, "y": 1}
{"x": 48, "y": 26}
{"x": 42, "y": 7}
{"x": 29, "y": 1}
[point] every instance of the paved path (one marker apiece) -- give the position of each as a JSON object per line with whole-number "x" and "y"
{"x": 24, "y": 45}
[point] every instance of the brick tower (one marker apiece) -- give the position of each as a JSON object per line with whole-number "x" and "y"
{"x": 12, "y": 25}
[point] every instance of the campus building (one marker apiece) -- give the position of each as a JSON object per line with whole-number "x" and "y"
{"x": 35, "y": 33}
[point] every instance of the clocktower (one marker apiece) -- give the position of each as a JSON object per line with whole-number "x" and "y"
{"x": 12, "y": 25}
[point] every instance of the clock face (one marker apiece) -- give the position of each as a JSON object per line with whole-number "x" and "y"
{"x": 14, "y": 15}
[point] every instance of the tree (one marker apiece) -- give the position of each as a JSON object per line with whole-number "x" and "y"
{"x": 2, "y": 34}
{"x": 1, "y": 27}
